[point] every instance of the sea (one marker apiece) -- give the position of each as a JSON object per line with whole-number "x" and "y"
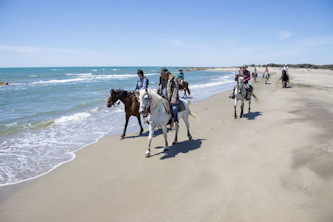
{"x": 47, "y": 114}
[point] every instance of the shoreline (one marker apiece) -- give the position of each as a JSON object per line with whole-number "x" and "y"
{"x": 250, "y": 169}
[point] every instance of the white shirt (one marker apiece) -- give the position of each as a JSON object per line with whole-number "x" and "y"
{"x": 286, "y": 68}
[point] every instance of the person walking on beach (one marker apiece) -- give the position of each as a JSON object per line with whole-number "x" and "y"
{"x": 266, "y": 70}
{"x": 168, "y": 89}
{"x": 142, "y": 81}
{"x": 244, "y": 73}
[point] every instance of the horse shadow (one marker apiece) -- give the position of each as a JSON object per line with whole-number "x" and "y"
{"x": 252, "y": 116}
{"x": 181, "y": 147}
{"x": 156, "y": 133}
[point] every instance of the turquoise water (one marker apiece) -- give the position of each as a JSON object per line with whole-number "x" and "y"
{"x": 49, "y": 113}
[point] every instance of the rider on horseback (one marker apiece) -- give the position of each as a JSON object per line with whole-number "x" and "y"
{"x": 180, "y": 78}
{"x": 142, "y": 82}
{"x": 246, "y": 74}
{"x": 168, "y": 89}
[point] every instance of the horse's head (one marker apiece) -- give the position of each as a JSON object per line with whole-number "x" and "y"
{"x": 114, "y": 96}
{"x": 144, "y": 100}
{"x": 240, "y": 84}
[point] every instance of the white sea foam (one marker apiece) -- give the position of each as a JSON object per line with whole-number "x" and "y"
{"x": 103, "y": 69}
{"x": 79, "y": 74}
{"x": 11, "y": 124}
{"x": 210, "y": 84}
{"x": 94, "y": 70}
{"x": 70, "y": 118}
{"x": 31, "y": 76}
{"x": 53, "y": 69}
{"x": 115, "y": 69}
{"x": 86, "y": 77}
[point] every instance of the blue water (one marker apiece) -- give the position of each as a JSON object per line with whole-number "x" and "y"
{"x": 49, "y": 113}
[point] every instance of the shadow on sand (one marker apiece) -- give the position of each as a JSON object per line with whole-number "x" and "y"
{"x": 182, "y": 147}
{"x": 156, "y": 133}
{"x": 252, "y": 116}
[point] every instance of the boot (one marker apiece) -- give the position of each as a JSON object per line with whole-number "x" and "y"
{"x": 175, "y": 126}
{"x": 232, "y": 95}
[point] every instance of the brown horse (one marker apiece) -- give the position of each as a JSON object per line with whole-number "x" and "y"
{"x": 184, "y": 87}
{"x": 131, "y": 105}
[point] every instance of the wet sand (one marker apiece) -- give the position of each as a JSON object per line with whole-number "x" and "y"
{"x": 274, "y": 164}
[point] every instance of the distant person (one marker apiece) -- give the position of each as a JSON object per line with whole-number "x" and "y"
{"x": 142, "y": 81}
{"x": 168, "y": 89}
{"x": 244, "y": 73}
{"x": 180, "y": 78}
{"x": 266, "y": 70}
{"x": 254, "y": 70}
{"x": 286, "y": 68}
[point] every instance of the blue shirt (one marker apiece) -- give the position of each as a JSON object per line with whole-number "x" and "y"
{"x": 144, "y": 83}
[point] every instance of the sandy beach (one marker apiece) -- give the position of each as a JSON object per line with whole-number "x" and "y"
{"x": 274, "y": 164}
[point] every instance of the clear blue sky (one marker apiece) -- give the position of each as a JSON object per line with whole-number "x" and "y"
{"x": 164, "y": 33}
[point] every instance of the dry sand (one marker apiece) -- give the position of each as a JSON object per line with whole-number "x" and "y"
{"x": 274, "y": 164}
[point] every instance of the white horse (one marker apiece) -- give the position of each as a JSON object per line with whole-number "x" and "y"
{"x": 266, "y": 76}
{"x": 151, "y": 102}
{"x": 240, "y": 94}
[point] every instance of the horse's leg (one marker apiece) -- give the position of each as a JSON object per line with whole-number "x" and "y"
{"x": 124, "y": 133}
{"x": 175, "y": 141}
{"x": 139, "y": 119}
{"x": 187, "y": 123}
{"x": 235, "y": 108}
{"x": 185, "y": 95}
{"x": 250, "y": 104}
{"x": 151, "y": 133}
{"x": 164, "y": 129}
{"x": 242, "y": 109}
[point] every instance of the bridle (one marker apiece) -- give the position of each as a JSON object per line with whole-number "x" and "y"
{"x": 146, "y": 108}
{"x": 115, "y": 104}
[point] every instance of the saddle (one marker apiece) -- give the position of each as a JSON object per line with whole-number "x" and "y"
{"x": 167, "y": 107}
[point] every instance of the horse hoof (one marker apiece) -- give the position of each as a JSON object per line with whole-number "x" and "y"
{"x": 174, "y": 143}
{"x": 235, "y": 117}
{"x": 147, "y": 155}
{"x": 165, "y": 149}
{"x": 190, "y": 137}
{"x": 122, "y": 137}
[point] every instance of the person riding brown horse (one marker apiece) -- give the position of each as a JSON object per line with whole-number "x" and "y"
{"x": 183, "y": 84}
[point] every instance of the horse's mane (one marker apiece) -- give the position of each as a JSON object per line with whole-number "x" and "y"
{"x": 155, "y": 97}
{"x": 123, "y": 93}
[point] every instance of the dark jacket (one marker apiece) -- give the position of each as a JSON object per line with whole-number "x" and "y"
{"x": 171, "y": 90}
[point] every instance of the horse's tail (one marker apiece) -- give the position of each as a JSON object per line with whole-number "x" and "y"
{"x": 194, "y": 115}
{"x": 188, "y": 90}
{"x": 256, "y": 97}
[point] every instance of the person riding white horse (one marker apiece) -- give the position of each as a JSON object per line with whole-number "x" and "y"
{"x": 246, "y": 75}
{"x": 151, "y": 103}
{"x": 168, "y": 89}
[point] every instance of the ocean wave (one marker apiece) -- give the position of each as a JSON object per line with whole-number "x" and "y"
{"x": 79, "y": 74}
{"x": 115, "y": 69}
{"x": 86, "y": 77}
{"x": 71, "y": 118}
{"x": 210, "y": 84}
{"x": 94, "y": 70}
{"x": 53, "y": 69}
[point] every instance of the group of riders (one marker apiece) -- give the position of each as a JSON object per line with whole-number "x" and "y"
{"x": 168, "y": 87}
